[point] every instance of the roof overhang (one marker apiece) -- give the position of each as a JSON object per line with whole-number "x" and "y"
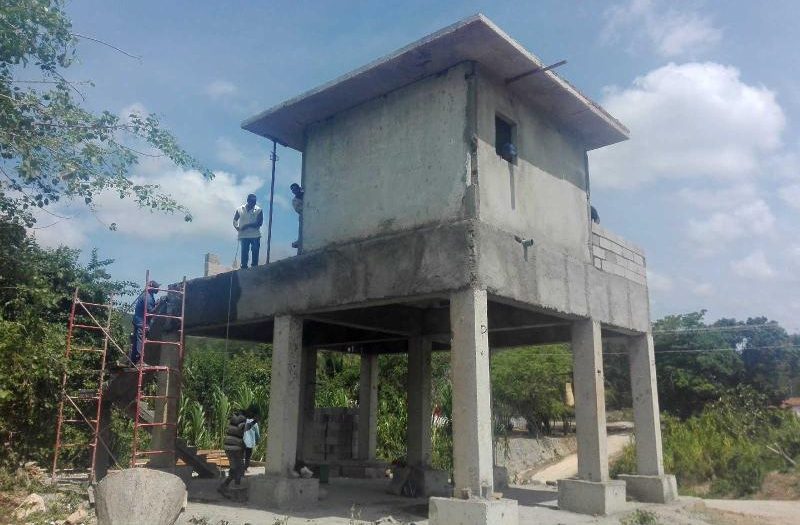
{"x": 473, "y": 39}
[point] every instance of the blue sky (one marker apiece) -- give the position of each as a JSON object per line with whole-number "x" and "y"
{"x": 709, "y": 184}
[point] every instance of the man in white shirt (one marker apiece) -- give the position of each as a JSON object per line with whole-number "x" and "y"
{"x": 248, "y": 220}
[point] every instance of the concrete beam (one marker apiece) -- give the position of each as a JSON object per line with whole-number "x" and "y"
{"x": 472, "y": 415}
{"x": 368, "y": 407}
{"x": 284, "y": 400}
{"x": 395, "y": 319}
{"x": 418, "y": 439}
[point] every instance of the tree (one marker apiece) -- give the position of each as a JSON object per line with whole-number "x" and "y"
{"x": 51, "y": 147}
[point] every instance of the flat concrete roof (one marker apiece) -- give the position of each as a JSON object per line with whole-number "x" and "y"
{"x": 473, "y": 39}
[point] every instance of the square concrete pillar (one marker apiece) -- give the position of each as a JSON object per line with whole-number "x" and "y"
{"x": 308, "y": 392}
{"x": 284, "y": 399}
{"x": 593, "y": 492}
{"x": 418, "y": 438}
{"x": 650, "y": 484}
{"x": 368, "y": 407}
{"x": 281, "y": 489}
{"x": 472, "y": 414}
{"x": 165, "y": 410}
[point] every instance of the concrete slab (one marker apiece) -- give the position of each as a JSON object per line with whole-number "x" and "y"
{"x": 279, "y": 492}
{"x": 598, "y": 498}
{"x": 473, "y": 511}
{"x": 651, "y": 489}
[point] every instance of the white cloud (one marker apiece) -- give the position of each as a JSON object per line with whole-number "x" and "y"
{"x": 229, "y": 153}
{"x": 668, "y": 31}
{"x": 722, "y": 227}
{"x": 703, "y": 289}
{"x": 719, "y": 198}
{"x": 220, "y": 89}
{"x": 658, "y": 282}
{"x": 791, "y": 194}
{"x": 754, "y": 266}
{"x": 695, "y": 120}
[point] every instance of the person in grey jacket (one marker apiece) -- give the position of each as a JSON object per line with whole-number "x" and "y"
{"x": 233, "y": 444}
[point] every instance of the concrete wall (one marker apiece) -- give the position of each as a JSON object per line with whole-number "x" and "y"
{"x": 543, "y": 196}
{"x": 393, "y": 163}
{"x": 611, "y": 253}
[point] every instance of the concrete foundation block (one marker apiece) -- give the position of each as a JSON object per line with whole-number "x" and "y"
{"x": 598, "y": 498}
{"x": 500, "y": 477}
{"x": 474, "y": 511}
{"x": 418, "y": 482}
{"x": 278, "y": 492}
{"x": 651, "y": 489}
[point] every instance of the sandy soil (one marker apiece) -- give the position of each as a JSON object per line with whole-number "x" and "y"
{"x": 568, "y": 466}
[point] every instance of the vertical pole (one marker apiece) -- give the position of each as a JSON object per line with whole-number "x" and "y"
{"x": 472, "y": 412}
{"x": 274, "y": 157}
{"x": 646, "y": 418}
{"x": 418, "y": 433}
{"x": 590, "y": 407}
{"x": 99, "y": 412}
{"x": 64, "y": 383}
{"x": 368, "y": 407}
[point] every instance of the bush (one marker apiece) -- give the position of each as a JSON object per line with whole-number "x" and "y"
{"x": 732, "y": 443}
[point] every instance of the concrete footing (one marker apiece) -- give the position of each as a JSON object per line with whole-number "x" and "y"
{"x": 418, "y": 482}
{"x": 278, "y": 492}
{"x": 651, "y": 489}
{"x": 473, "y": 511}
{"x": 597, "y": 498}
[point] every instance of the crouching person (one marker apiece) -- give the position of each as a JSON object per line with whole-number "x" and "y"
{"x": 234, "y": 449}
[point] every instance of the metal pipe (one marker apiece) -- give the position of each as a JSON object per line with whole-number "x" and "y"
{"x": 274, "y": 157}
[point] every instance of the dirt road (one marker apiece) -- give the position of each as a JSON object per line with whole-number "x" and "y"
{"x": 568, "y": 466}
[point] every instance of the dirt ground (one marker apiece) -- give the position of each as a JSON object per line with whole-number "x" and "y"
{"x": 361, "y": 502}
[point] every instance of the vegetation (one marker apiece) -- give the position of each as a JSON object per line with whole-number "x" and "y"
{"x": 731, "y": 444}
{"x": 51, "y": 147}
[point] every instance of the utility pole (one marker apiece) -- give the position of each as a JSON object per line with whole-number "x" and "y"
{"x": 274, "y": 157}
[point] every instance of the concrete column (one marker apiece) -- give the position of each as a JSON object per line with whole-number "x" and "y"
{"x": 308, "y": 390}
{"x": 647, "y": 420}
{"x": 649, "y": 483}
{"x": 418, "y": 438}
{"x": 284, "y": 399}
{"x": 472, "y": 415}
{"x": 593, "y": 492}
{"x": 166, "y": 409}
{"x": 368, "y": 407}
{"x": 590, "y": 406}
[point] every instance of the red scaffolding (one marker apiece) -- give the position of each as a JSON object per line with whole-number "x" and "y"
{"x": 145, "y": 417}
{"x": 82, "y": 407}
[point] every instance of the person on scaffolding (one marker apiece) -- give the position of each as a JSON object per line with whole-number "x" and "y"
{"x": 297, "y": 203}
{"x": 145, "y": 300}
{"x": 247, "y": 221}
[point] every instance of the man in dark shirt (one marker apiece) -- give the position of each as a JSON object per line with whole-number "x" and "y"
{"x": 145, "y": 300}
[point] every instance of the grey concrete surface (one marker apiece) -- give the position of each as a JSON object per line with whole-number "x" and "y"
{"x": 139, "y": 495}
{"x": 651, "y": 489}
{"x": 368, "y": 407}
{"x": 597, "y": 498}
{"x": 473, "y": 511}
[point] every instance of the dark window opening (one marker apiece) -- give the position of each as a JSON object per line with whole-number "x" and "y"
{"x": 504, "y": 139}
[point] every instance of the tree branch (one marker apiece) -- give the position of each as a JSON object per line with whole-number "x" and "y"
{"x": 108, "y": 45}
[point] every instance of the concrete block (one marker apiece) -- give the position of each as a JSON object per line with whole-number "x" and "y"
{"x": 139, "y": 495}
{"x": 474, "y": 511}
{"x": 598, "y": 498}
{"x": 598, "y": 263}
{"x": 638, "y": 259}
{"x": 651, "y": 489}
{"x": 279, "y": 492}
{"x": 418, "y": 482}
{"x": 598, "y": 252}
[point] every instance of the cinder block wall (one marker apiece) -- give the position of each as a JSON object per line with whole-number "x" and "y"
{"x": 613, "y": 254}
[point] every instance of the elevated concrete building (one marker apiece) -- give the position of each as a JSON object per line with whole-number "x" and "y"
{"x": 446, "y": 208}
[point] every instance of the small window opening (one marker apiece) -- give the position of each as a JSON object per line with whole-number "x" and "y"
{"x": 504, "y": 139}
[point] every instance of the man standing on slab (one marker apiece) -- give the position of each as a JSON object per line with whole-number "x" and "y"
{"x": 248, "y": 220}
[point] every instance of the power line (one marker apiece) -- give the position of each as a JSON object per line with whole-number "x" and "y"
{"x": 718, "y": 329}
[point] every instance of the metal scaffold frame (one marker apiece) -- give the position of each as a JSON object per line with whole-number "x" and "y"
{"x": 137, "y": 454}
{"x": 74, "y": 401}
